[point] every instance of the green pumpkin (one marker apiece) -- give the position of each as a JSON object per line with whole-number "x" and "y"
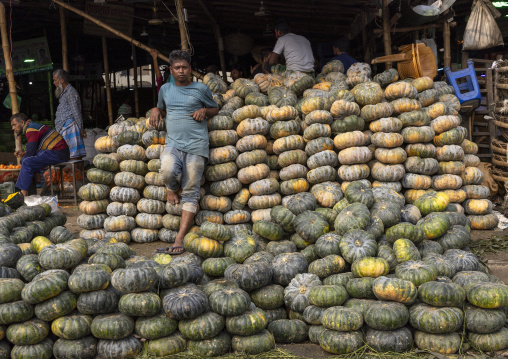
{"x": 394, "y": 289}
{"x": 488, "y": 295}
{"x": 128, "y": 347}
{"x": 112, "y": 326}
{"x": 310, "y": 226}
{"x": 55, "y": 307}
{"x": 269, "y": 297}
{"x": 405, "y": 230}
{"x": 105, "y": 162}
{"x": 139, "y": 304}
{"x": 435, "y": 320}
{"x": 31, "y": 332}
{"x": 327, "y": 266}
{"x": 84, "y": 348}
{"x": 97, "y": 302}
{"x": 202, "y": 327}
{"x": 155, "y": 327}
{"x": 42, "y": 350}
{"x": 45, "y": 285}
{"x": 250, "y": 322}
{"x": 14, "y": 312}
{"x": 417, "y": 272}
{"x": 355, "y": 215}
{"x": 215, "y": 267}
{"x": 440, "y": 294}
{"x": 489, "y": 342}
{"x": 357, "y": 244}
{"x": 212, "y": 347}
{"x": 228, "y": 302}
{"x": 370, "y": 267}
{"x": 313, "y": 315}
{"x": 268, "y": 230}
{"x": 386, "y": 315}
{"x": 398, "y": 341}
{"x": 288, "y": 331}
{"x": 253, "y": 344}
{"x": 484, "y": 321}
{"x": 72, "y": 326}
{"x": 434, "y": 226}
{"x": 328, "y": 296}
{"x": 10, "y": 290}
{"x": 405, "y": 250}
{"x": 336, "y": 342}
{"x": 360, "y": 287}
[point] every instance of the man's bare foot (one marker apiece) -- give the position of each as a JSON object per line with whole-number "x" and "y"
{"x": 172, "y": 197}
{"x": 177, "y": 247}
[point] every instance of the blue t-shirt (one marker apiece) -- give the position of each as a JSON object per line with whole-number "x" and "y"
{"x": 346, "y": 60}
{"x": 183, "y": 132}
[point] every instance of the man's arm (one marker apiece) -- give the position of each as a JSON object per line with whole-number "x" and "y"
{"x": 31, "y": 144}
{"x": 273, "y": 58}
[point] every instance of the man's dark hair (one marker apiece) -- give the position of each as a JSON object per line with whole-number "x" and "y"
{"x": 177, "y": 55}
{"x": 19, "y": 117}
{"x": 62, "y": 74}
{"x": 264, "y": 53}
{"x": 282, "y": 26}
{"x": 238, "y": 67}
{"x": 212, "y": 68}
{"x": 342, "y": 44}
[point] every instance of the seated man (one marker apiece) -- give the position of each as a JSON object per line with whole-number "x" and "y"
{"x": 296, "y": 50}
{"x": 346, "y": 60}
{"x": 44, "y": 147}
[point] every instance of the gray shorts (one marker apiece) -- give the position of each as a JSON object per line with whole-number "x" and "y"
{"x": 182, "y": 169}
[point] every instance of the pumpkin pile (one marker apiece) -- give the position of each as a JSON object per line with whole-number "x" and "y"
{"x": 337, "y": 209}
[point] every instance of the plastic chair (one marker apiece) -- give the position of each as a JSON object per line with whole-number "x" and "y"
{"x": 466, "y": 86}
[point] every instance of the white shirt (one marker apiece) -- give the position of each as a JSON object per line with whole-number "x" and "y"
{"x": 297, "y": 52}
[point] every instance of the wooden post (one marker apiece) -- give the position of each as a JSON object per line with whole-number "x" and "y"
{"x": 135, "y": 64}
{"x": 117, "y": 33}
{"x": 10, "y": 73}
{"x": 108, "y": 81}
{"x": 366, "y": 57}
{"x": 465, "y": 57}
{"x": 181, "y": 24}
{"x": 218, "y": 38}
{"x": 446, "y": 44}
{"x": 154, "y": 86}
{"x": 387, "y": 40}
{"x": 220, "y": 42}
{"x": 63, "y": 31}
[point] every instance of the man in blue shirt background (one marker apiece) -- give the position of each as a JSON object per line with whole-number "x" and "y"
{"x": 346, "y": 60}
{"x": 185, "y": 105}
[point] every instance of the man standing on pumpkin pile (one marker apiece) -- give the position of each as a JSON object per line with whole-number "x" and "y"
{"x": 295, "y": 48}
{"x": 185, "y": 106}
{"x": 44, "y": 147}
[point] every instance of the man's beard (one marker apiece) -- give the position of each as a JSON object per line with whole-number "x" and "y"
{"x": 58, "y": 91}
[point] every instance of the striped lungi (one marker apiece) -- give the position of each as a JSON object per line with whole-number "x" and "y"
{"x": 71, "y": 134}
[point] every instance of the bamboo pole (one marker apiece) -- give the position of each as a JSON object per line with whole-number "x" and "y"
{"x": 117, "y": 33}
{"x": 63, "y": 31}
{"x": 446, "y": 44}
{"x": 181, "y": 25}
{"x": 10, "y": 74}
{"x": 135, "y": 65}
{"x": 218, "y": 38}
{"x": 387, "y": 40}
{"x": 108, "y": 81}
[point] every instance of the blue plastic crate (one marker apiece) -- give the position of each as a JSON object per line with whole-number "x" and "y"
{"x": 466, "y": 85}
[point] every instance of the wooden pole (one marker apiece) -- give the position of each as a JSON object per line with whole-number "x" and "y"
{"x": 181, "y": 24}
{"x": 387, "y": 40}
{"x": 63, "y": 31}
{"x": 366, "y": 56}
{"x": 10, "y": 74}
{"x": 218, "y": 38}
{"x": 108, "y": 81}
{"x": 117, "y": 33}
{"x": 446, "y": 44}
{"x": 135, "y": 65}
{"x": 154, "y": 86}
